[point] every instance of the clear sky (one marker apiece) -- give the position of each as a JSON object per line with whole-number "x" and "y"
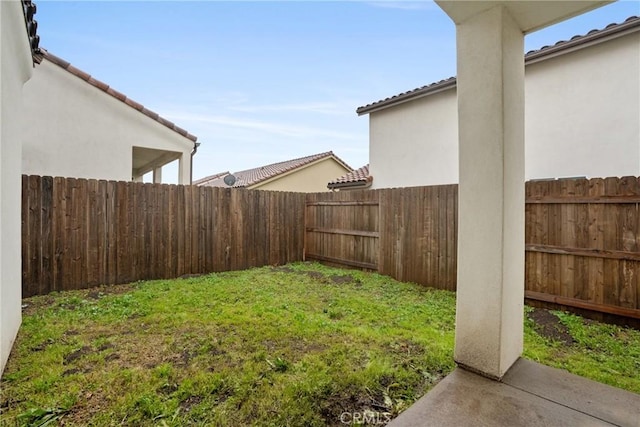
{"x": 261, "y": 82}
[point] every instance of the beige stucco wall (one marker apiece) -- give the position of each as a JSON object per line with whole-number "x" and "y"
{"x": 15, "y": 68}
{"x": 79, "y": 131}
{"x": 312, "y": 178}
{"x": 582, "y": 118}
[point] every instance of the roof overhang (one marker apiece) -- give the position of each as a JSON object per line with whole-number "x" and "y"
{"x": 411, "y": 95}
{"x": 147, "y": 159}
{"x": 530, "y": 15}
{"x": 360, "y": 184}
{"x": 562, "y": 47}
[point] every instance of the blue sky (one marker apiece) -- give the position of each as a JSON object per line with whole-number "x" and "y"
{"x": 261, "y": 82}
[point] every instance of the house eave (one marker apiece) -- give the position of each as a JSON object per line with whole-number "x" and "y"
{"x": 582, "y": 42}
{"x": 406, "y": 97}
{"x": 615, "y": 31}
{"x": 363, "y": 183}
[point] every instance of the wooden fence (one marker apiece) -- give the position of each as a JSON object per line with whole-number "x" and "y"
{"x": 343, "y": 228}
{"x": 582, "y": 239}
{"x": 79, "y": 233}
{"x": 408, "y": 233}
{"x": 582, "y": 236}
{"x": 583, "y": 244}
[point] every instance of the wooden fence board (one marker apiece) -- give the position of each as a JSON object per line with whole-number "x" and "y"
{"x": 79, "y": 233}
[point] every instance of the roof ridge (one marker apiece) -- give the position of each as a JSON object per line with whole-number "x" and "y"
{"x": 318, "y": 156}
{"x": 594, "y": 34}
{"x": 66, "y": 65}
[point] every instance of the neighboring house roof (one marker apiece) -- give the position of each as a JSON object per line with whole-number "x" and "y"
{"x": 207, "y": 179}
{"x": 44, "y": 54}
{"x": 357, "y": 178}
{"x": 611, "y": 31}
{"x": 251, "y": 177}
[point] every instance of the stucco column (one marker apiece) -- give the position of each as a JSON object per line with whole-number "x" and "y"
{"x": 184, "y": 169}
{"x": 490, "y": 296}
{"x": 157, "y": 175}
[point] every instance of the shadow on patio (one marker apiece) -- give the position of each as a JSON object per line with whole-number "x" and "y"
{"x": 529, "y": 394}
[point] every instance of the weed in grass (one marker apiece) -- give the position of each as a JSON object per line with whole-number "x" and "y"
{"x": 38, "y": 417}
{"x": 278, "y": 364}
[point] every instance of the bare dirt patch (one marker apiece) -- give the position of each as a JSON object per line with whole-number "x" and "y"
{"x": 77, "y": 354}
{"x": 351, "y": 400}
{"x": 190, "y": 402}
{"x": 548, "y": 326}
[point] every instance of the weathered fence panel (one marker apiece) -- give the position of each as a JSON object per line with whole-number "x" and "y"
{"x": 79, "y": 233}
{"x": 582, "y": 236}
{"x": 583, "y": 244}
{"x": 582, "y": 239}
{"x": 407, "y": 233}
{"x": 418, "y": 235}
{"x": 342, "y": 228}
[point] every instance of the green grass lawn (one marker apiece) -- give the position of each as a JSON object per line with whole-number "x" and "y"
{"x": 297, "y": 345}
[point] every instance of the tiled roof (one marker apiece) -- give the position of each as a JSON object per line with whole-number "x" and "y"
{"x": 110, "y": 91}
{"x": 207, "y": 179}
{"x": 357, "y": 177}
{"x": 409, "y": 95}
{"x": 249, "y": 177}
{"x": 563, "y": 46}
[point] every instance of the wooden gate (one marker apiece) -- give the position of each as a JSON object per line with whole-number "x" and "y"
{"x": 342, "y": 228}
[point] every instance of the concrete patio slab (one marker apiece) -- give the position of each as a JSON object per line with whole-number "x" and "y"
{"x": 530, "y": 394}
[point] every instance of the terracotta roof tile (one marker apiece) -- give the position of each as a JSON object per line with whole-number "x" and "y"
{"x": 116, "y": 94}
{"x": 166, "y": 122}
{"x": 359, "y": 176}
{"x": 409, "y": 95}
{"x": 155, "y": 116}
{"x": 134, "y": 104}
{"x": 78, "y": 72}
{"x": 44, "y": 54}
{"x": 610, "y": 30}
{"x": 100, "y": 85}
{"x": 249, "y": 177}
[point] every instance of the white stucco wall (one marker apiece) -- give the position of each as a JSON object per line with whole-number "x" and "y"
{"x": 583, "y": 112}
{"x": 15, "y": 68}
{"x": 415, "y": 143}
{"x": 77, "y": 130}
{"x": 582, "y": 118}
